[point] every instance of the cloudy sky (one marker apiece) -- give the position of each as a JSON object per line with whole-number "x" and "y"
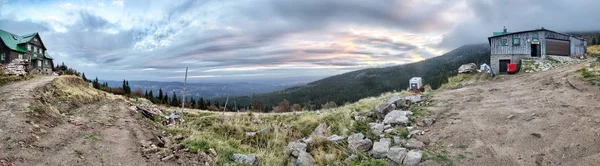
{"x": 248, "y": 40}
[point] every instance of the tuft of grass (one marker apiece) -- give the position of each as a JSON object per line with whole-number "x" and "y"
{"x": 464, "y": 79}
{"x": 463, "y": 147}
{"x": 590, "y": 77}
{"x": 4, "y": 79}
{"x": 461, "y": 157}
{"x": 439, "y": 157}
{"x": 92, "y": 137}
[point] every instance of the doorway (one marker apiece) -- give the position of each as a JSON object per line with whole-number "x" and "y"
{"x": 534, "y": 50}
{"x": 503, "y": 65}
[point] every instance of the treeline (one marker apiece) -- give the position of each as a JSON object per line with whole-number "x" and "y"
{"x": 353, "y": 86}
{"x": 163, "y": 97}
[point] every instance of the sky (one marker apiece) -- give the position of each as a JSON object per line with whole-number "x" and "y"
{"x": 271, "y": 40}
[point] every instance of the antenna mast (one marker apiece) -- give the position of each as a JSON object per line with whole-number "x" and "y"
{"x": 183, "y": 92}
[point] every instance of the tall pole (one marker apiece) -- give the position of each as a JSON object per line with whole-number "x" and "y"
{"x": 183, "y": 93}
{"x": 226, "y": 102}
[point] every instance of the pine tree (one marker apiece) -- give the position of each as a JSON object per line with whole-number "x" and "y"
{"x": 95, "y": 83}
{"x": 160, "y": 95}
{"x": 84, "y": 78}
{"x": 201, "y": 103}
{"x": 146, "y": 94}
{"x": 166, "y": 99}
{"x": 174, "y": 101}
{"x": 595, "y": 41}
{"x": 192, "y": 103}
{"x": 151, "y": 96}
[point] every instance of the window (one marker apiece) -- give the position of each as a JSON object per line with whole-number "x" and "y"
{"x": 505, "y": 42}
{"x": 516, "y": 41}
{"x": 20, "y": 56}
{"x": 45, "y": 62}
{"x": 34, "y": 49}
{"x": 2, "y": 57}
{"x": 34, "y": 55}
{"x": 28, "y": 47}
{"x": 35, "y": 39}
{"x": 39, "y": 64}
{"x": 535, "y": 35}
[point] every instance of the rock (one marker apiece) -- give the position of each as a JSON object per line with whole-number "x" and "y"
{"x": 145, "y": 143}
{"x": 380, "y": 148}
{"x": 387, "y": 126}
{"x": 169, "y": 157}
{"x": 510, "y": 116}
{"x": 537, "y": 135}
{"x": 396, "y": 140}
{"x": 414, "y": 144}
{"x": 245, "y": 159}
{"x": 321, "y": 130}
{"x": 336, "y": 139}
{"x": 420, "y": 123}
{"x": 413, "y": 99}
{"x": 428, "y": 121}
{"x": 467, "y": 68}
{"x": 384, "y": 109}
{"x": 387, "y": 131}
{"x": 304, "y": 159}
{"x": 307, "y": 140}
{"x": 179, "y": 137}
{"x": 416, "y": 132}
{"x": 597, "y": 120}
{"x": 396, "y": 117}
{"x": 413, "y": 157}
{"x": 377, "y": 128}
{"x": 213, "y": 152}
{"x": 178, "y": 147}
{"x": 396, "y": 154}
{"x": 358, "y": 143}
{"x": 204, "y": 158}
{"x": 403, "y": 104}
{"x": 250, "y": 134}
{"x": 295, "y": 148}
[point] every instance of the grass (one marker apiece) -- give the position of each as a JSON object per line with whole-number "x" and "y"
{"x": 92, "y": 137}
{"x": 463, "y": 147}
{"x": 590, "y": 77}
{"x": 594, "y": 50}
{"x": 225, "y": 133}
{"x": 4, "y": 79}
{"x": 464, "y": 79}
{"x": 439, "y": 157}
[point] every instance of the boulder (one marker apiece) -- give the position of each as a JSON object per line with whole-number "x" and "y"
{"x": 358, "y": 143}
{"x": 245, "y": 159}
{"x": 413, "y": 99}
{"x": 380, "y": 148}
{"x": 294, "y": 148}
{"x": 414, "y": 144}
{"x": 467, "y": 68}
{"x": 321, "y": 130}
{"x": 304, "y": 159}
{"x": 403, "y": 104}
{"x": 336, "y": 139}
{"x": 413, "y": 158}
{"x": 384, "y": 108}
{"x": 396, "y": 154}
{"x": 377, "y": 128}
{"x": 396, "y": 117}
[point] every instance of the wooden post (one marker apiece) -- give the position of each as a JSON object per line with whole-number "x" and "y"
{"x": 183, "y": 93}
{"x": 226, "y": 102}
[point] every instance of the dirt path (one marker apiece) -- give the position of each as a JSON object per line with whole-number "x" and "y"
{"x": 545, "y": 118}
{"x": 99, "y": 133}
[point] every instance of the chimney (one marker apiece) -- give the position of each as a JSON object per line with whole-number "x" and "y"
{"x": 504, "y": 29}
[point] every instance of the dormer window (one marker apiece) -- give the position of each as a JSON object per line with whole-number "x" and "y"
{"x": 35, "y": 39}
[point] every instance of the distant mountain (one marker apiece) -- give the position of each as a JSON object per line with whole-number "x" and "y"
{"x": 352, "y": 86}
{"x": 205, "y": 90}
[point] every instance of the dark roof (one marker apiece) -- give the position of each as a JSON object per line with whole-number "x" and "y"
{"x": 535, "y": 30}
{"x": 12, "y": 41}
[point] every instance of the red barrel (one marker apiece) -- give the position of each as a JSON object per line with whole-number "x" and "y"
{"x": 512, "y": 68}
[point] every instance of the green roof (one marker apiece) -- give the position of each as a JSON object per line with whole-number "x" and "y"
{"x": 47, "y": 56}
{"x": 15, "y": 42}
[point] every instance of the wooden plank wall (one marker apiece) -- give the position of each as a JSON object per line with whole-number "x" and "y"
{"x": 523, "y": 48}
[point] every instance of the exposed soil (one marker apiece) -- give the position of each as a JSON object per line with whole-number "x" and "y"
{"x": 544, "y": 118}
{"x": 102, "y": 132}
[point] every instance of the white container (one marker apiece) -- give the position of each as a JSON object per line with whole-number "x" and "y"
{"x": 415, "y": 83}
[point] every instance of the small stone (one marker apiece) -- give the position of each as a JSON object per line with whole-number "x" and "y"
{"x": 510, "y": 116}
{"x": 414, "y": 144}
{"x": 388, "y": 131}
{"x": 321, "y": 130}
{"x": 169, "y": 157}
{"x": 336, "y": 139}
{"x": 597, "y": 120}
{"x": 380, "y": 148}
{"x": 213, "y": 152}
{"x": 537, "y": 135}
{"x": 305, "y": 159}
{"x": 428, "y": 121}
{"x": 294, "y": 148}
{"x": 245, "y": 159}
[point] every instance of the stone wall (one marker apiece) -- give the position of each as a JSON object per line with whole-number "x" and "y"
{"x": 495, "y": 60}
{"x": 16, "y": 67}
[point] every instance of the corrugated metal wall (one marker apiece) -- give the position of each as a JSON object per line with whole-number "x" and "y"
{"x": 523, "y": 48}
{"x": 577, "y": 46}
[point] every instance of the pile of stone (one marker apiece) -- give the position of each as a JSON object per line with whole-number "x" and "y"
{"x": 16, "y": 67}
{"x": 151, "y": 108}
{"x": 155, "y": 149}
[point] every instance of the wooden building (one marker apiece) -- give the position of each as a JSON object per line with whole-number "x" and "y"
{"x": 511, "y": 47}
{"x": 27, "y": 47}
